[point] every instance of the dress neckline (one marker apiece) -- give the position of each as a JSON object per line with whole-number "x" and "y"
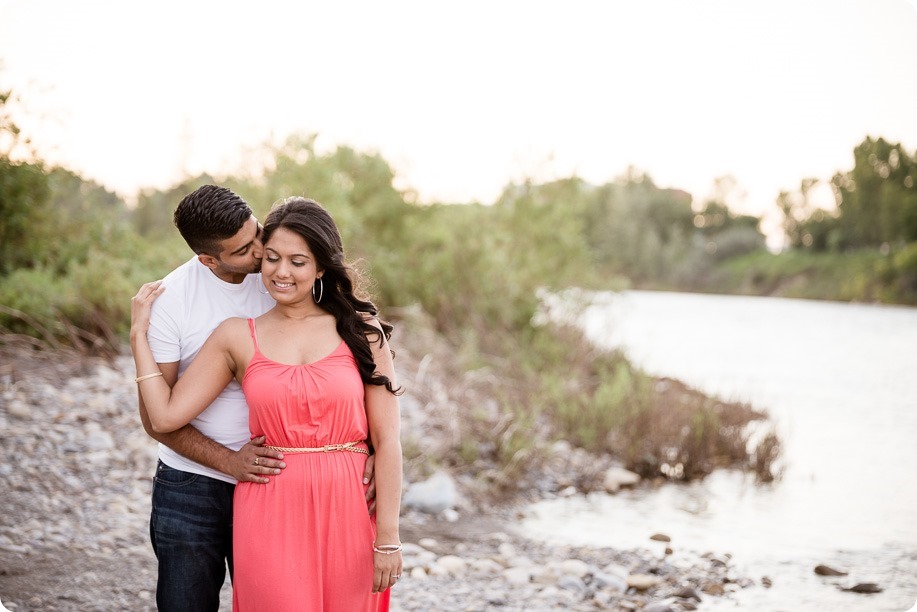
{"x": 300, "y": 365}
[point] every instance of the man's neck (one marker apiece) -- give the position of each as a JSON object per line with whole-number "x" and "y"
{"x": 234, "y": 278}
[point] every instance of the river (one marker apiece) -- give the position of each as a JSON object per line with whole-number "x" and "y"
{"x": 840, "y": 384}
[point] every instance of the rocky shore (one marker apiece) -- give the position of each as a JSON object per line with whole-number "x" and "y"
{"x": 75, "y": 482}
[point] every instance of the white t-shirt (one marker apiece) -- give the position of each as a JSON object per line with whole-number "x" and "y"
{"x": 194, "y": 303}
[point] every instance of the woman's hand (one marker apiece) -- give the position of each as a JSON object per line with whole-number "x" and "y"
{"x": 386, "y": 570}
{"x": 142, "y": 304}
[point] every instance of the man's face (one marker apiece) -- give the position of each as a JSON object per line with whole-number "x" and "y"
{"x": 241, "y": 253}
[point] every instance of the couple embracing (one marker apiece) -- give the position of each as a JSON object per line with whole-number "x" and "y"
{"x": 281, "y": 381}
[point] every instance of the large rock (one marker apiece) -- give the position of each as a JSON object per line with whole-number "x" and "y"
{"x": 617, "y": 478}
{"x": 433, "y": 495}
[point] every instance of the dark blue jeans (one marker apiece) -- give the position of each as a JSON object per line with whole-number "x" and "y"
{"x": 191, "y": 532}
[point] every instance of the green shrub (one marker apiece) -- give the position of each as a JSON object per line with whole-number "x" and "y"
{"x": 737, "y": 240}
{"x": 904, "y": 266}
{"x": 865, "y": 275}
{"x": 24, "y": 194}
{"x": 33, "y": 300}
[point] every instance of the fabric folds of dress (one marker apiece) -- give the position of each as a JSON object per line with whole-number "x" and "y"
{"x": 303, "y": 542}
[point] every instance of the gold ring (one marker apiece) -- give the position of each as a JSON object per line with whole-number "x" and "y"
{"x": 257, "y": 459}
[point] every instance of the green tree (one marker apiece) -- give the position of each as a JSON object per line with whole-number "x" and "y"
{"x": 24, "y": 194}
{"x": 877, "y": 199}
{"x": 152, "y": 217}
{"x": 636, "y": 229}
{"x": 797, "y": 208}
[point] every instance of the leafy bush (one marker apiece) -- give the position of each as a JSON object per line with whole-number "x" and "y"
{"x": 904, "y": 265}
{"x": 24, "y": 194}
{"x": 736, "y": 241}
{"x": 33, "y": 300}
{"x": 865, "y": 275}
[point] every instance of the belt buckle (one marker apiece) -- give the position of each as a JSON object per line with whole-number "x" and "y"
{"x": 332, "y": 447}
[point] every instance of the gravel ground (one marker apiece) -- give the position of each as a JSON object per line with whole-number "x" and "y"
{"x": 76, "y": 476}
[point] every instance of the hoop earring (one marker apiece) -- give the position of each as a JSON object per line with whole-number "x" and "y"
{"x": 265, "y": 292}
{"x": 321, "y": 290}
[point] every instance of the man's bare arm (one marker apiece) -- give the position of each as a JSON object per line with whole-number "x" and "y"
{"x": 191, "y": 443}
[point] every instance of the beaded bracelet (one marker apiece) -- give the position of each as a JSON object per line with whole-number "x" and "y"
{"x": 387, "y": 549}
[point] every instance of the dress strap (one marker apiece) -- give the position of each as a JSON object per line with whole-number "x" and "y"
{"x": 251, "y": 326}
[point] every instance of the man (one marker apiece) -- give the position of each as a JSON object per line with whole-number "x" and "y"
{"x": 191, "y": 519}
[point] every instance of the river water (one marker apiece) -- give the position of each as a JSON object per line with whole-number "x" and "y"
{"x": 840, "y": 384}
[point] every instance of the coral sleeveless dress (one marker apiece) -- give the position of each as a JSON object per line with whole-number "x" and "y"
{"x": 303, "y": 542}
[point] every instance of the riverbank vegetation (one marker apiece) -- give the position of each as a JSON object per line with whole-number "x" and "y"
{"x": 72, "y": 253}
{"x": 862, "y": 249}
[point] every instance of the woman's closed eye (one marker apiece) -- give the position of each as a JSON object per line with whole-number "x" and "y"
{"x": 275, "y": 259}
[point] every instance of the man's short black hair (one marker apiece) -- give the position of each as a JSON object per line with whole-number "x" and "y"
{"x": 209, "y": 215}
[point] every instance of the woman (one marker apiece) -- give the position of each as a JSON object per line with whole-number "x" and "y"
{"x": 318, "y": 377}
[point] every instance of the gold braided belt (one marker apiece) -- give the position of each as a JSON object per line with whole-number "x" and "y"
{"x": 328, "y": 448}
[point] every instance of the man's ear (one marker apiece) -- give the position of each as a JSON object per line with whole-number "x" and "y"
{"x": 208, "y": 260}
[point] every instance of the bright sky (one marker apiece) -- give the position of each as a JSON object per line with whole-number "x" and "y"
{"x": 463, "y": 97}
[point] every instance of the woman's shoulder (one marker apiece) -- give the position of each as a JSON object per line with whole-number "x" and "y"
{"x": 232, "y": 328}
{"x": 233, "y": 322}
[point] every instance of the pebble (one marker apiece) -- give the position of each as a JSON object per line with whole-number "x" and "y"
{"x": 485, "y": 566}
{"x": 19, "y": 409}
{"x": 713, "y": 588}
{"x": 517, "y": 575}
{"x": 452, "y": 564}
{"x": 659, "y": 606}
{"x": 519, "y": 561}
{"x": 865, "y": 587}
{"x": 571, "y": 583}
{"x": 610, "y": 582}
{"x": 574, "y": 567}
{"x": 687, "y": 592}
{"x": 642, "y": 582}
{"x": 824, "y": 570}
{"x": 418, "y": 573}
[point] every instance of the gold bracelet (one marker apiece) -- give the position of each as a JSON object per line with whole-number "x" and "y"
{"x": 145, "y": 376}
{"x": 387, "y": 549}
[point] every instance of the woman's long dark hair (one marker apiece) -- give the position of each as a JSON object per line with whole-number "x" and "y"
{"x": 311, "y": 221}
